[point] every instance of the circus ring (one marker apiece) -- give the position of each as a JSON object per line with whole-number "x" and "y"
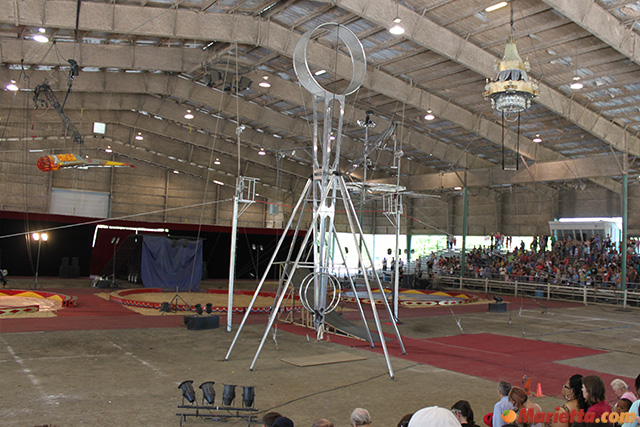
{"x": 152, "y": 298}
{"x": 18, "y": 301}
{"x": 413, "y": 298}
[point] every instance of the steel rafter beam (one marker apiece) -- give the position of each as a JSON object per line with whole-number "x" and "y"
{"x": 563, "y": 170}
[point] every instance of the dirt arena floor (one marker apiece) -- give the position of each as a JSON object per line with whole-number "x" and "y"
{"x": 103, "y": 364}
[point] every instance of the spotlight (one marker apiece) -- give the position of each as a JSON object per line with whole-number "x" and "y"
{"x": 209, "y": 308}
{"x": 75, "y": 69}
{"x": 187, "y": 391}
{"x": 498, "y": 298}
{"x": 198, "y": 308}
{"x": 229, "y": 394}
{"x": 165, "y": 307}
{"x": 208, "y": 392}
{"x": 248, "y": 395}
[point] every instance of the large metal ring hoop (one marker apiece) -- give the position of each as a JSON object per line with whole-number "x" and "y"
{"x": 335, "y": 284}
{"x": 356, "y": 52}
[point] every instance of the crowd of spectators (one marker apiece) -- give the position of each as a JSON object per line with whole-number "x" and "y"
{"x": 595, "y": 262}
{"x": 583, "y": 405}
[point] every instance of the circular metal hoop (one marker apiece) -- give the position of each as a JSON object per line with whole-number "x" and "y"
{"x": 336, "y": 291}
{"x": 356, "y": 52}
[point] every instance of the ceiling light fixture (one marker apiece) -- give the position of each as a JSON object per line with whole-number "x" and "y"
{"x": 457, "y": 188}
{"x": 139, "y": 136}
{"x": 320, "y": 72}
{"x": 262, "y": 152}
{"x": 264, "y": 83}
{"x": 496, "y": 6}
{"x": 397, "y": 29}
{"x": 537, "y": 139}
{"x": 175, "y": 171}
{"x": 108, "y": 149}
{"x": 576, "y": 84}
{"x": 189, "y": 115}
{"x": 40, "y": 38}
{"x": 12, "y": 86}
{"x": 217, "y": 162}
{"x": 429, "y": 116}
{"x": 218, "y": 182}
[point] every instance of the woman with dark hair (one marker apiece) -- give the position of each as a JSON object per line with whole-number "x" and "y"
{"x": 519, "y": 399}
{"x": 574, "y": 400}
{"x": 593, "y": 390}
{"x": 463, "y": 412}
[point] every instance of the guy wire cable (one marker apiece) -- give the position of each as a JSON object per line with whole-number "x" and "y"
{"x": 207, "y": 180}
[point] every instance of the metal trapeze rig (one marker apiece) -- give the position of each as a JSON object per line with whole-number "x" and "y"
{"x": 325, "y": 190}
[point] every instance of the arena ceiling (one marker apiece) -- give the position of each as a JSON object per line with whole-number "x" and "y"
{"x": 143, "y": 64}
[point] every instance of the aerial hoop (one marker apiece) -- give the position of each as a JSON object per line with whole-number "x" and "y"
{"x": 356, "y": 52}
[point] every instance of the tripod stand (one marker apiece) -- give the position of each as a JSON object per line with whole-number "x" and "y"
{"x": 176, "y": 299}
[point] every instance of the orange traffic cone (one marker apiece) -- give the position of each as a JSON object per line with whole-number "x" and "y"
{"x": 539, "y": 391}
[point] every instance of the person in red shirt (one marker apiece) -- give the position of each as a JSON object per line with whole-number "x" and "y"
{"x": 593, "y": 390}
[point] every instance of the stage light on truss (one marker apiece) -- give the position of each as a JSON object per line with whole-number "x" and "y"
{"x": 208, "y": 393}
{"x": 248, "y": 396}
{"x": 187, "y": 391}
{"x": 228, "y": 394}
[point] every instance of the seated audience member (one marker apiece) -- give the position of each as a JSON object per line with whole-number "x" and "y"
{"x": 623, "y": 405}
{"x": 502, "y": 405}
{"x": 573, "y": 399}
{"x": 360, "y": 418}
{"x": 322, "y": 422}
{"x": 269, "y": 418}
{"x": 404, "y": 421}
{"x": 433, "y": 416}
{"x": 593, "y": 390}
{"x": 519, "y": 399}
{"x": 463, "y": 412}
{"x": 621, "y": 389}
{"x": 635, "y": 407}
{"x": 283, "y": 422}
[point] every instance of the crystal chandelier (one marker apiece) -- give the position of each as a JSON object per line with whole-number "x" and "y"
{"x": 511, "y": 92}
{"x": 513, "y": 89}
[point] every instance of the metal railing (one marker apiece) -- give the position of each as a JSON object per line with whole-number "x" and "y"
{"x": 543, "y": 291}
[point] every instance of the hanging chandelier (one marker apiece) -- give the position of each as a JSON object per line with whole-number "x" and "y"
{"x": 512, "y": 90}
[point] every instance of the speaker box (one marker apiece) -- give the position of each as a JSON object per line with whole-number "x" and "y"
{"x": 197, "y": 323}
{"x": 497, "y": 307}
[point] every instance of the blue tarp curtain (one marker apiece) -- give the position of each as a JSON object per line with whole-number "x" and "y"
{"x": 169, "y": 263}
